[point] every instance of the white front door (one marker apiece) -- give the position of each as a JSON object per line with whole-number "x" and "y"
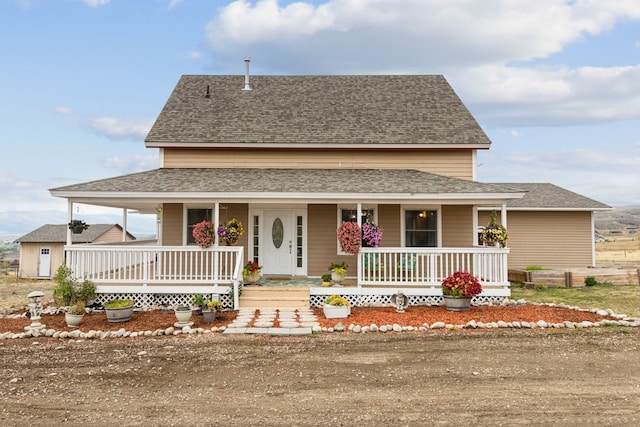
{"x": 279, "y": 245}
{"x": 44, "y": 262}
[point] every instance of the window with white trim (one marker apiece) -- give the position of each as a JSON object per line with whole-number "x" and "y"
{"x": 350, "y": 214}
{"x": 421, "y": 228}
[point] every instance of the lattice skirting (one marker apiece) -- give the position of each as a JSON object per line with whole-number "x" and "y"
{"x": 382, "y": 300}
{"x": 148, "y": 300}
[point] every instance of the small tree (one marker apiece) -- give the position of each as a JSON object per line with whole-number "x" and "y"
{"x": 69, "y": 291}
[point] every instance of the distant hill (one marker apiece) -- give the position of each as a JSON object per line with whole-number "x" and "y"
{"x": 620, "y": 220}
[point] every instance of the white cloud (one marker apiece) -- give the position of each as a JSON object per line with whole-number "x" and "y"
{"x": 24, "y": 195}
{"x": 96, "y": 3}
{"x": 62, "y": 110}
{"x": 479, "y": 46}
{"x": 116, "y": 128}
{"x": 194, "y": 54}
{"x": 173, "y": 3}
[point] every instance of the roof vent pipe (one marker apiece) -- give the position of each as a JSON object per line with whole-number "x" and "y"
{"x": 247, "y": 86}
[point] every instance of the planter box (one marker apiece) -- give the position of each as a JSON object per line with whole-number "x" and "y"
{"x": 336, "y": 311}
{"x": 117, "y": 315}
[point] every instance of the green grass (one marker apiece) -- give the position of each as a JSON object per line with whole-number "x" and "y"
{"x": 621, "y": 299}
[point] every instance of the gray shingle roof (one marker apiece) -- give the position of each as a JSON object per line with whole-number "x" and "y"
{"x": 416, "y": 110}
{"x": 57, "y": 233}
{"x": 316, "y": 181}
{"x": 549, "y": 196}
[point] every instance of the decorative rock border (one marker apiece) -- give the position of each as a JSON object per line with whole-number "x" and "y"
{"x": 621, "y": 320}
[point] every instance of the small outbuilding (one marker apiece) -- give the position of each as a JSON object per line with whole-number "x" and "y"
{"x": 42, "y": 250}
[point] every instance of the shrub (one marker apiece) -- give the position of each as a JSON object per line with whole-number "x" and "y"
{"x": 590, "y": 281}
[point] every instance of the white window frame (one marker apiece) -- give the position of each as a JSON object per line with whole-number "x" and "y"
{"x": 403, "y": 225}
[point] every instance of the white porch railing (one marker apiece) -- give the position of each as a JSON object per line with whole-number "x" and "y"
{"x": 141, "y": 267}
{"x": 428, "y": 267}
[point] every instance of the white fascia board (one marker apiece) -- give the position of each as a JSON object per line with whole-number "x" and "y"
{"x": 315, "y": 146}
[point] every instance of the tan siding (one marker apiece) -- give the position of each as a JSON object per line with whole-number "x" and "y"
{"x": 457, "y": 226}
{"x": 550, "y": 239}
{"x": 455, "y": 163}
{"x": 30, "y": 258}
{"x": 172, "y": 224}
{"x": 113, "y": 235}
{"x": 389, "y": 221}
{"x": 322, "y": 241}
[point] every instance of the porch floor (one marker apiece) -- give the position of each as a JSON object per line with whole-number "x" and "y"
{"x": 298, "y": 282}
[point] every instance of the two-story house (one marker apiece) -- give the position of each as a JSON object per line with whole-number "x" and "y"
{"x": 292, "y": 158}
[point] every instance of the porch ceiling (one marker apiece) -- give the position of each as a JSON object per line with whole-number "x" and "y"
{"x": 146, "y": 190}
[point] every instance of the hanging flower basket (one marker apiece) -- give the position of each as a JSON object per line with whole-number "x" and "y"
{"x": 231, "y": 231}
{"x": 350, "y": 237}
{"x": 203, "y": 234}
{"x": 77, "y": 226}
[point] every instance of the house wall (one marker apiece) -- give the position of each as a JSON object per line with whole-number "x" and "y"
{"x": 389, "y": 219}
{"x": 549, "y": 239}
{"x": 30, "y": 258}
{"x": 172, "y": 224}
{"x": 113, "y": 235}
{"x": 457, "y": 226}
{"x": 322, "y": 242}
{"x": 454, "y": 163}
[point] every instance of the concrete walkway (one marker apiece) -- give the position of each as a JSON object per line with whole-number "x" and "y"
{"x": 292, "y": 321}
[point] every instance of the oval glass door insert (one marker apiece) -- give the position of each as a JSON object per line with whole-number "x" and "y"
{"x": 277, "y": 233}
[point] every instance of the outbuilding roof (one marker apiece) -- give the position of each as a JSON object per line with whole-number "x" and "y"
{"x": 323, "y": 112}
{"x": 57, "y": 233}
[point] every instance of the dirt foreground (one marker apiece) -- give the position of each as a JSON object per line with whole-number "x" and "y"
{"x": 536, "y": 377}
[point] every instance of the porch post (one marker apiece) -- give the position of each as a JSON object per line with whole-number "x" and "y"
{"x": 503, "y": 215}
{"x": 69, "y": 218}
{"x": 124, "y": 224}
{"x": 359, "y": 214}
{"x": 216, "y": 221}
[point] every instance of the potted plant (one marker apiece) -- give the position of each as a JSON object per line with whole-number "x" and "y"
{"x": 338, "y": 271}
{"x": 336, "y": 307}
{"x": 183, "y": 315}
{"x": 210, "y": 309}
{"x": 350, "y": 237}
{"x": 73, "y": 294}
{"x": 458, "y": 289}
{"x": 119, "y": 310}
{"x": 77, "y": 226}
{"x": 326, "y": 279}
{"x": 74, "y": 315}
{"x": 251, "y": 272}
{"x": 203, "y": 234}
{"x": 231, "y": 231}
{"x": 197, "y": 303}
{"x": 494, "y": 234}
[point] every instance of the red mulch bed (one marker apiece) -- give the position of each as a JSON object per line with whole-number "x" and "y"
{"x": 413, "y": 316}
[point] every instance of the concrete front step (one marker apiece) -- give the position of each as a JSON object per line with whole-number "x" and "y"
{"x": 262, "y": 297}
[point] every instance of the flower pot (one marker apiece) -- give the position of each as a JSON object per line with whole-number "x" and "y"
{"x": 252, "y": 277}
{"x": 73, "y": 320}
{"x": 119, "y": 314}
{"x": 336, "y": 311}
{"x": 452, "y": 303}
{"x": 337, "y": 277}
{"x": 183, "y": 314}
{"x": 208, "y": 316}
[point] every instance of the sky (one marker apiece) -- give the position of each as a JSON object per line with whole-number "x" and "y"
{"x": 555, "y": 84}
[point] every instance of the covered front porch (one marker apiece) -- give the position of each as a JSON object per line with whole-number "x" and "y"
{"x": 156, "y": 275}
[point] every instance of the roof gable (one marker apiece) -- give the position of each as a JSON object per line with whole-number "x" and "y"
{"x": 416, "y": 111}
